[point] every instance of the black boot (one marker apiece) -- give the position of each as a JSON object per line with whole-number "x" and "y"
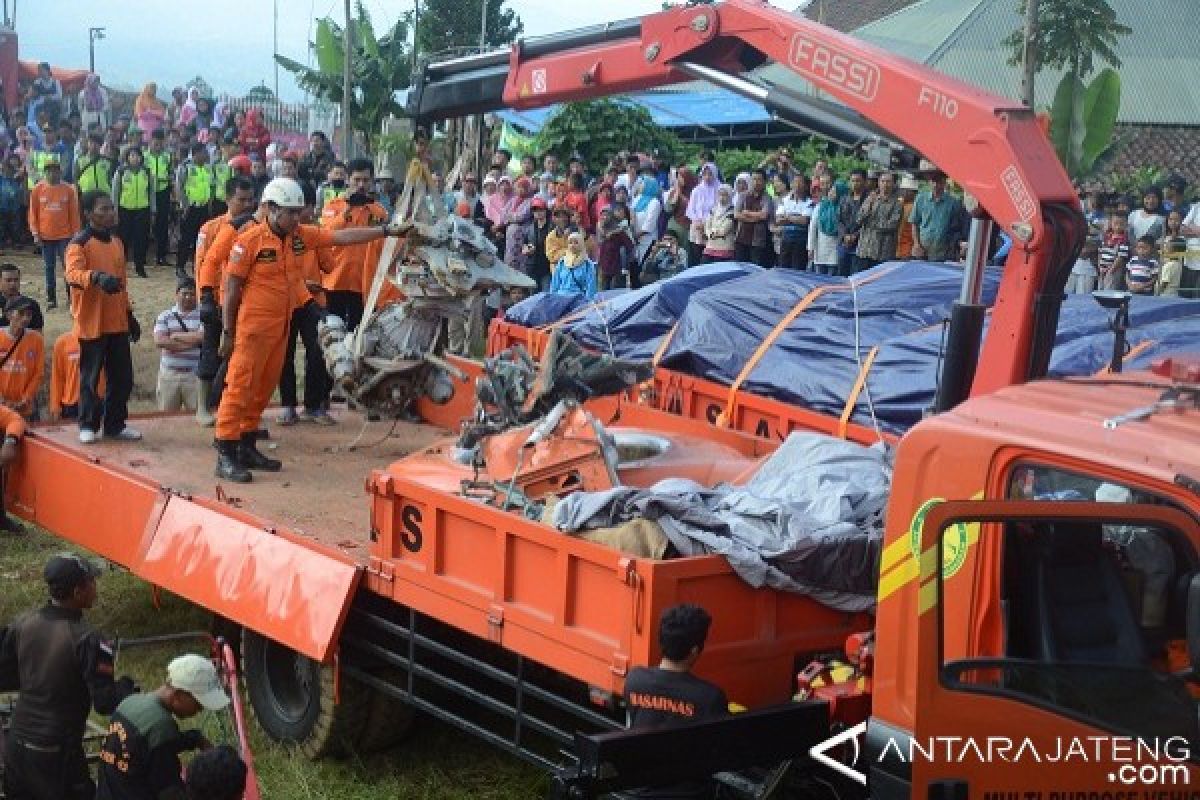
{"x": 229, "y": 466}
{"x": 141, "y": 272}
{"x": 252, "y": 459}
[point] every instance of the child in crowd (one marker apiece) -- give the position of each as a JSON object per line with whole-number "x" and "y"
{"x": 1114, "y": 252}
{"x": 1141, "y": 272}
{"x": 1083, "y": 274}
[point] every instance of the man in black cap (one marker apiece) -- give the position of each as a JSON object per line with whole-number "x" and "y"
{"x": 62, "y": 669}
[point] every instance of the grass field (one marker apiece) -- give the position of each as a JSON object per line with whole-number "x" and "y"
{"x": 434, "y": 761}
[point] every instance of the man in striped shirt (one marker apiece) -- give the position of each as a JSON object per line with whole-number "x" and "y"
{"x": 178, "y": 333}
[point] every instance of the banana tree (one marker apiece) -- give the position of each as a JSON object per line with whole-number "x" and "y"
{"x": 380, "y": 68}
{"x": 1083, "y": 118}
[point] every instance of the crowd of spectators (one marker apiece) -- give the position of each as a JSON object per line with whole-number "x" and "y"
{"x": 1147, "y": 244}
{"x": 642, "y": 220}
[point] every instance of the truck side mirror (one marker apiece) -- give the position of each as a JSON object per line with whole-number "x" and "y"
{"x": 1192, "y": 624}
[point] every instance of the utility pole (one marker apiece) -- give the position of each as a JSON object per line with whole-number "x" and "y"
{"x": 416, "y": 30}
{"x": 1029, "y": 56}
{"x": 275, "y": 42}
{"x": 479, "y": 117}
{"x": 93, "y": 35}
{"x": 347, "y": 67}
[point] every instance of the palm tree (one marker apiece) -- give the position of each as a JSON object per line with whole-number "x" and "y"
{"x": 381, "y": 67}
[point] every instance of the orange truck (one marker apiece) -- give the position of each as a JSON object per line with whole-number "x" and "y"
{"x": 1038, "y": 606}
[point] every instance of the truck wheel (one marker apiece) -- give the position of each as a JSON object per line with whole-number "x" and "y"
{"x": 293, "y": 698}
{"x": 388, "y": 721}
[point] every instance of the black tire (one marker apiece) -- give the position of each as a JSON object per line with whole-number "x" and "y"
{"x": 389, "y": 719}
{"x": 293, "y": 698}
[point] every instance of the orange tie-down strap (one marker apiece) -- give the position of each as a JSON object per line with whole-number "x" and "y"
{"x": 725, "y": 418}
{"x": 852, "y": 398}
{"x": 1134, "y": 352}
{"x": 580, "y": 313}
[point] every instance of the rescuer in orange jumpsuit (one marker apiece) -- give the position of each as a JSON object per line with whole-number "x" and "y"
{"x": 216, "y": 238}
{"x": 264, "y": 282}
{"x": 12, "y": 425}
{"x": 346, "y": 268}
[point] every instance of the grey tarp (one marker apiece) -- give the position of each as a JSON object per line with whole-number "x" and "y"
{"x": 809, "y": 521}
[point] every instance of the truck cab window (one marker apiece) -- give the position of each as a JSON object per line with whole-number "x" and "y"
{"x": 1094, "y": 613}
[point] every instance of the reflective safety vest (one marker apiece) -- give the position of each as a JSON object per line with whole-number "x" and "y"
{"x": 199, "y": 185}
{"x": 37, "y": 161}
{"x": 222, "y": 173}
{"x": 95, "y": 175}
{"x": 329, "y": 193}
{"x": 159, "y": 165}
{"x": 134, "y": 189}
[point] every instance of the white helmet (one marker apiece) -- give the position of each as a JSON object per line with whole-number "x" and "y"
{"x": 284, "y": 192}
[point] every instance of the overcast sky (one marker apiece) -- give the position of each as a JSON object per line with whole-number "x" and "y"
{"x": 229, "y": 42}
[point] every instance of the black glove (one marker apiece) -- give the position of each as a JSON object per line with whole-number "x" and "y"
{"x": 316, "y": 311}
{"x": 109, "y": 284}
{"x": 135, "y": 327}
{"x": 210, "y": 312}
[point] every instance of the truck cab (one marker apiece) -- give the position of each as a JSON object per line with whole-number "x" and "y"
{"x": 1038, "y": 596}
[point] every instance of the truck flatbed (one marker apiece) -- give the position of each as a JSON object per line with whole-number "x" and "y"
{"x": 319, "y": 494}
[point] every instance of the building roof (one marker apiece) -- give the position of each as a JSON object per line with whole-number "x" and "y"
{"x": 963, "y": 38}
{"x": 846, "y": 15}
{"x": 699, "y": 107}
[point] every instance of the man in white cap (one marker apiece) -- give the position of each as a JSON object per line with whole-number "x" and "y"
{"x": 140, "y": 755}
{"x": 262, "y": 280}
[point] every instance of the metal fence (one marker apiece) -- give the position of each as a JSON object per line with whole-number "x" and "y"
{"x": 279, "y": 116}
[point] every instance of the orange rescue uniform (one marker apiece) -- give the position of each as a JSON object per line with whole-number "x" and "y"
{"x": 273, "y": 272}
{"x": 12, "y": 423}
{"x": 345, "y": 267}
{"x": 23, "y": 368}
{"x": 64, "y": 374}
{"x": 208, "y": 232}
{"x": 215, "y": 255}
{"x": 53, "y": 211}
{"x": 95, "y": 312}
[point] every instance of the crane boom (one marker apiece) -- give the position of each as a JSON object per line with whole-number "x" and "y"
{"x": 992, "y": 147}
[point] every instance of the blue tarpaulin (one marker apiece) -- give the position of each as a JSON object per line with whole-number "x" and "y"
{"x": 682, "y": 109}
{"x": 721, "y": 313}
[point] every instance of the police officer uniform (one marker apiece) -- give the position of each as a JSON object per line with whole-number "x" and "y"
{"x": 61, "y": 668}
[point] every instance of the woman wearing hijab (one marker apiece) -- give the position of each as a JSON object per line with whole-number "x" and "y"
{"x": 575, "y": 272}
{"x": 603, "y": 200}
{"x": 516, "y": 218}
{"x": 496, "y": 208}
{"x": 700, "y": 203}
{"x": 823, "y": 230}
{"x": 148, "y": 112}
{"x": 647, "y": 209}
{"x": 741, "y": 185}
{"x": 254, "y": 136}
{"x": 676, "y": 202}
{"x": 720, "y": 227}
{"x": 187, "y": 114}
{"x": 94, "y": 108}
